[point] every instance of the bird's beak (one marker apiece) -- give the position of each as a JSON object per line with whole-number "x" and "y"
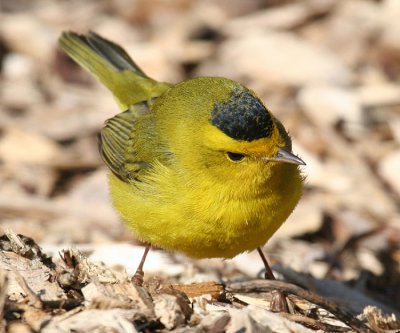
{"x": 285, "y": 156}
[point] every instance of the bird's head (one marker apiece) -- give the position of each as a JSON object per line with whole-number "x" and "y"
{"x": 224, "y": 128}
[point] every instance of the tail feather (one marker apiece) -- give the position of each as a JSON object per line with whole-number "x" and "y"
{"x": 111, "y": 52}
{"x": 112, "y": 66}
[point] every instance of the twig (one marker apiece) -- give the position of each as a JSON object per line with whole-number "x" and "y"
{"x": 38, "y": 303}
{"x": 269, "y": 285}
{"x": 65, "y": 304}
{"x": 32, "y": 297}
{"x": 17, "y": 245}
{"x": 314, "y": 323}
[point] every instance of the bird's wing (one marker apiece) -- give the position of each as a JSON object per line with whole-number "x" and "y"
{"x": 116, "y": 140}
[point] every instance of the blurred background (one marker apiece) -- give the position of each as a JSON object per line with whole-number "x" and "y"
{"x": 328, "y": 69}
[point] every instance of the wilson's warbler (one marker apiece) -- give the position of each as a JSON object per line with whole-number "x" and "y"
{"x": 201, "y": 167}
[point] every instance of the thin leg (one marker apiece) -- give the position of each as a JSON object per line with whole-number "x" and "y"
{"x": 279, "y": 301}
{"x": 139, "y": 274}
{"x": 268, "y": 271}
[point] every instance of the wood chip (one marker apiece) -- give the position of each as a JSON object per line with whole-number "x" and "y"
{"x": 380, "y": 322}
{"x": 110, "y": 320}
{"x": 197, "y": 289}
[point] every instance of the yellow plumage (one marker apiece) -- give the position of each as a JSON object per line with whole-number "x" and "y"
{"x": 200, "y": 167}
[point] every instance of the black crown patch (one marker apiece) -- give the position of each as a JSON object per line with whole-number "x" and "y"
{"x": 243, "y": 117}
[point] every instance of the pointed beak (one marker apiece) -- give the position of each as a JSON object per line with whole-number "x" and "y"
{"x": 286, "y": 157}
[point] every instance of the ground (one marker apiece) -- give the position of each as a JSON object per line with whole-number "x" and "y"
{"x": 327, "y": 69}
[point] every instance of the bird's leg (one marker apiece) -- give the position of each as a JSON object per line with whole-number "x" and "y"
{"x": 137, "y": 278}
{"x": 279, "y": 302}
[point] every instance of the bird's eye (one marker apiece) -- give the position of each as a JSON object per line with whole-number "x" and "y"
{"x": 234, "y": 157}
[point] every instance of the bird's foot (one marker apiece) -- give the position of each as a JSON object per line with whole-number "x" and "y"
{"x": 138, "y": 278}
{"x": 279, "y": 302}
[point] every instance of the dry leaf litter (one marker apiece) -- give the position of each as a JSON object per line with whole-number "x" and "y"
{"x": 329, "y": 69}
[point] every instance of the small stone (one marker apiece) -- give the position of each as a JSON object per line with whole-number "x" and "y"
{"x": 215, "y": 322}
{"x": 273, "y": 322}
{"x": 94, "y": 320}
{"x": 172, "y": 308}
{"x": 241, "y": 321}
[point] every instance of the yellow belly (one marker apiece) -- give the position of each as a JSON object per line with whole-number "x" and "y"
{"x": 200, "y": 221}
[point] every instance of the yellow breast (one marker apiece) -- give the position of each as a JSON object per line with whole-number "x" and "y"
{"x": 204, "y": 219}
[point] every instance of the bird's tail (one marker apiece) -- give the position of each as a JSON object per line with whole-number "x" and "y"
{"x": 113, "y": 67}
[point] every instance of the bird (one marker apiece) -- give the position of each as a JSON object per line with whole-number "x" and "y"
{"x": 200, "y": 167}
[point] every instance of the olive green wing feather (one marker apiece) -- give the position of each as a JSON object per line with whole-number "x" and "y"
{"x": 117, "y": 141}
{"x": 113, "y": 67}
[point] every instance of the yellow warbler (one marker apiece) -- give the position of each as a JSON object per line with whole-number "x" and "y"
{"x": 201, "y": 167}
